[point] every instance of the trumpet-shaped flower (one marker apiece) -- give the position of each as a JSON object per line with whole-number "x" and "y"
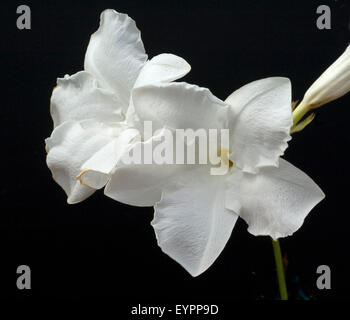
{"x": 195, "y": 212}
{"x": 92, "y": 108}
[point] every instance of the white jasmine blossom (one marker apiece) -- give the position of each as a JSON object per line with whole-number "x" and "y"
{"x": 96, "y": 113}
{"x": 195, "y": 211}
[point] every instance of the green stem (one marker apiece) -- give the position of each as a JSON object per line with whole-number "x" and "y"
{"x": 299, "y": 112}
{"x": 280, "y": 269}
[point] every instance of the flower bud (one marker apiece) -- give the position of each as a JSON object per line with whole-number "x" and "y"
{"x": 332, "y": 84}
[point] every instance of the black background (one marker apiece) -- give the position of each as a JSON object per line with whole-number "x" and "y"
{"x": 100, "y": 248}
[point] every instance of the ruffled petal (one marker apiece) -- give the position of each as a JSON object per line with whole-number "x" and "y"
{"x": 260, "y": 122}
{"x": 191, "y": 223}
{"x": 180, "y": 105}
{"x": 69, "y": 146}
{"x": 162, "y": 68}
{"x": 116, "y": 54}
{"x": 273, "y": 202}
{"x": 78, "y": 98}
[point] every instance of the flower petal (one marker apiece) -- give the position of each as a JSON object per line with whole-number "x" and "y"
{"x": 95, "y": 171}
{"x": 180, "y": 105}
{"x": 69, "y": 146}
{"x": 116, "y": 54}
{"x": 78, "y": 98}
{"x": 140, "y": 184}
{"x": 273, "y": 202}
{"x": 191, "y": 223}
{"x": 162, "y": 68}
{"x": 260, "y": 123}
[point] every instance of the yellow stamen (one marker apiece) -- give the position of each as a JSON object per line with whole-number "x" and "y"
{"x": 224, "y": 154}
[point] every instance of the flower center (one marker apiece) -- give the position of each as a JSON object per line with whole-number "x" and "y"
{"x": 224, "y": 155}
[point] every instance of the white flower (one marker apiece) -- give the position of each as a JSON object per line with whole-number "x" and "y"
{"x": 92, "y": 108}
{"x": 195, "y": 212}
{"x": 331, "y": 85}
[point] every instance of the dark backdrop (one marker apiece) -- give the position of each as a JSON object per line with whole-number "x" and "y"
{"x": 100, "y": 248}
